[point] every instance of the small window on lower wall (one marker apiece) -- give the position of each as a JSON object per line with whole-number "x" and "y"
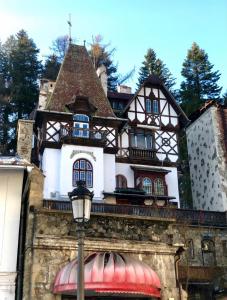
{"x": 121, "y": 182}
{"x": 208, "y": 252}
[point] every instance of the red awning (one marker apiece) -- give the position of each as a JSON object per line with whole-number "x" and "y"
{"x": 110, "y": 273}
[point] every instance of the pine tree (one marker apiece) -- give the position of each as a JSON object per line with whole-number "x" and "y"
{"x": 224, "y": 98}
{"x": 19, "y": 75}
{"x": 51, "y": 67}
{"x": 201, "y": 82}
{"x": 155, "y": 66}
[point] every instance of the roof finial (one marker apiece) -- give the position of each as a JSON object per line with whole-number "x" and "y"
{"x": 70, "y": 27}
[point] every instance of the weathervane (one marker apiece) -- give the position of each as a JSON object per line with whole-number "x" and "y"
{"x": 70, "y": 27}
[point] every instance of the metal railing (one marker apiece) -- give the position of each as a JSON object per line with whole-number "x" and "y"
{"x": 136, "y": 153}
{"x": 85, "y": 133}
{"x": 186, "y": 216}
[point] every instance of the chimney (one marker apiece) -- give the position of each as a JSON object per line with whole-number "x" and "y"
{"x": 46, "y": 88}
{"x": 101, "y": 72}
{"x": 124, "y": 89}
{"x": 24, "y": 138}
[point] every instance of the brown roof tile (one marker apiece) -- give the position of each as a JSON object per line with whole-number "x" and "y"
{"x": 77, "y": 77}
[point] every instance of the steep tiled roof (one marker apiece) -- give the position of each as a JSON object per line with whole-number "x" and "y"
{"x": 77, "y": 77}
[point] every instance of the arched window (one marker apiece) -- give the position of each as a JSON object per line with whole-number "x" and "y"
{"x": 147, "y": 185}
{"x": 159, "y": 187}
{"x": 82, "y": 170}
{"x": 121, "y": 182}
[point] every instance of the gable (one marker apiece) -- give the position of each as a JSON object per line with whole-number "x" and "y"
{"x": 159, "y": 112}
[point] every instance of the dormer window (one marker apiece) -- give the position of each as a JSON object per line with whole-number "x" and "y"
{"x": 81, "y": 126}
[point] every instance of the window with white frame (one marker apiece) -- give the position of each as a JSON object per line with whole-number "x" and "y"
{"x": 81, "y": 126}
{"x": 83, "y": 170}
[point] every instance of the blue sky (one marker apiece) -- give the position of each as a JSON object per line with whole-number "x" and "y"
{"x": 131, "y": 26}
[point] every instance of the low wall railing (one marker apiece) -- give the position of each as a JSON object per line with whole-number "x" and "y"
{"x": 187, "y": 216}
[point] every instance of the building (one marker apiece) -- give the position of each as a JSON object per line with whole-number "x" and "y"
{"x": 13, "y": 186}
{"x": 128, "y": 156}
{"x": 207, "y": 147}
{"x": 126, "y": 159}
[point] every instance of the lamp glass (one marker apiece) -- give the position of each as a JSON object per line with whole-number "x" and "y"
{"x": 81, "y": 208}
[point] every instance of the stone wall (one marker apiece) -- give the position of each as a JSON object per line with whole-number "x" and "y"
{"x": 24, "y": 139}
{"x": 54, "y": 243}
{"x": 207, "y": 162}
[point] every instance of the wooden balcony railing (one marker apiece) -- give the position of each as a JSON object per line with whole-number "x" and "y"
{"x": 84, "y": 133}
{"x": 185, "y": 216}
{"x": 136, "y": 153}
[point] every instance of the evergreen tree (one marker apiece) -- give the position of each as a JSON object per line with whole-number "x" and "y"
{"x": 20, "y": 70}
{"x": 155, "y": 66}
{"x": 101, "y": 56}
{"x": 224, "y": 98}
{"x": 51, "y": 67}
{"x": 201, "y": 82}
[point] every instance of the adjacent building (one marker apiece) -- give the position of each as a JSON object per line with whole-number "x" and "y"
{"x": 207, "y": 148}
{"x": 13, "y": 178}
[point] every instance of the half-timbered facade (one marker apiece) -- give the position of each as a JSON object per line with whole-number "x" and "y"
{"x": 124, "y": 147}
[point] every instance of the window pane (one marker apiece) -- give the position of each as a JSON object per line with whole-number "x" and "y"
{"x": 155, "y": 107}
{"x": 133, "y": 139}
{"x": 85, "y": 132}
{"x": 159, "y": 187}
{"x": 81, "y": 118}
{"x": 82, "y": 164}
{"x": 75, "y": 131}
{"x": 141, "y": 140}
{"x": 89, "y": 179}
{"x": 147, "y": 185}
{"x": 82, "y": 175}
{"x": 89, "y": 167}
{"x": 77, "y": 164}
{"x": 148, "y": 105}
{"x": 149, "y": 141}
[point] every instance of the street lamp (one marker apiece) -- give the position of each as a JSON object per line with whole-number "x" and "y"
{"x": 81, "y": 199}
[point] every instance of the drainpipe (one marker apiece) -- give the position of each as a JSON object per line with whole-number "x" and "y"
{"x": 21, "y": 240}
{"x": 177, "y": 259}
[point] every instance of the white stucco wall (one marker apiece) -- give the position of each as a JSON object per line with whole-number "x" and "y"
{"x": 10, "y": 205}
{"x": 57, "y": 167}
{"x": 109, "y": 173}
{"x": 171, "y": 178}
{"x": 51, "y": 166}
{"x": 207, "y": 163}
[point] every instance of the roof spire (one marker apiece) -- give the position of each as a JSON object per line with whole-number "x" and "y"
{"x": 70, "y": 27}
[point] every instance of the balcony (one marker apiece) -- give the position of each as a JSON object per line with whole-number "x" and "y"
{"x": 185, "y": 216}
{"x": 82, "y": 136}
{"x": 136, "y": 153}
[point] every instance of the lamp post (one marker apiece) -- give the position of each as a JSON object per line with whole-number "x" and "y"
{"x": 81, "y": 199}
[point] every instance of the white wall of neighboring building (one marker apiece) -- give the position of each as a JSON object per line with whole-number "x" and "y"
{"x": 11, "y": 180}
{"x": 207, "y": 163}
{"x": 171, "y": 178}
{"x": 57, "y": 167}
